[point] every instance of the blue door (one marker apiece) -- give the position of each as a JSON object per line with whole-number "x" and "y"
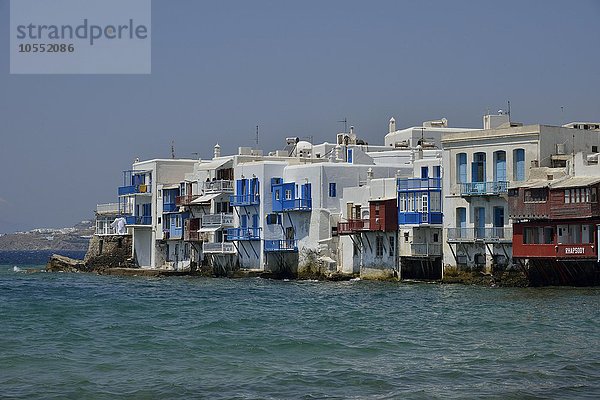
{"x": 479, "y": 222}
{"x": 461, "y": 221}
{"x": 424, "y": 172}
{"x": 499, "y": 222}
{"x": 243, "y": 221}
{"x": 500, "y": 166}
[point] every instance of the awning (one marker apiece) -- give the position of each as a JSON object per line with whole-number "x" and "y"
{"x": 210, "y": 229}
{"x": 215, "y": 164}
{"x": 171, "y": 186}
{"x": 577, "y": 181}
{"x": 206, "y": 198}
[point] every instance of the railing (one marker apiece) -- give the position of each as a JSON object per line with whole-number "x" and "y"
{"x": 186, "y": 200}
{"x": 499, "y": 234}
{"x": 297, "y": 205}
{"x": 143, "y": 220}
{"x": 135, "y": 189}
{"x": 222, "y": 185}
{"x": 105, "y": 230}
{"x": 353, "y": 226}
{"x": 223, "y": 247}
{"x": 194, "y": 236}
{"x": 419, "y": 183}
{"x": 483, "y": 188}
{"x": 281, "y": 245}
{"x": 243, "y": 233}
{"x": 108, "y": 208}
{"x": 221, "y": 219}
{"x": 426, "y": 249}
{"x": 169, "y": 207}
{"x": 244, "y": 200}
{"x": 414, "y": 218}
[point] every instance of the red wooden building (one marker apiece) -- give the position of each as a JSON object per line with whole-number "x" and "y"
{"x": 555, "y": 230}
{"x": 383, "y": 217}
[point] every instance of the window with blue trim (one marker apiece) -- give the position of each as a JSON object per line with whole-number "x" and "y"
{"x": 461, "y": 168}
{"x": 332, "y": 189}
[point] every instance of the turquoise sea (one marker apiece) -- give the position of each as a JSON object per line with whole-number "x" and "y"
{"x": 83, "y": 336}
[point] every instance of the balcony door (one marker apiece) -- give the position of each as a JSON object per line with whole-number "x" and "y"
{"x": 500, "y": 166}
{"x": 461, "y": 221}
{"x": 478, "y": 167}
{"x": 499, "y": 222}
{"x": 479, "y": 222}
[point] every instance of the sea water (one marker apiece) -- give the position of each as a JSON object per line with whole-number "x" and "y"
{"x": 85, "y": 336}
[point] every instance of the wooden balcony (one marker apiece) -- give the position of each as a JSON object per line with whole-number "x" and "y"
{"x": 353, "y": 226}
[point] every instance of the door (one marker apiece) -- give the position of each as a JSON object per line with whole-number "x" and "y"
{"x": 499, "y": 222}
{"x": 424, "y": 172}
{"x": 563, "y": 234}
{"x": 479, "y": 222}
{"x": 243, "y": 221}
{"x": 461, "y": 222}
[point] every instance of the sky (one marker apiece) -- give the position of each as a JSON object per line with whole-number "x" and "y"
{"x": 296, "y": 68}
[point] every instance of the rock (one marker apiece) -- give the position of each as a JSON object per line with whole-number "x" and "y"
{"x": 58, "y": 263}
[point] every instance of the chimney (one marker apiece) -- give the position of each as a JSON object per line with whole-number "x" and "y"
{"x": 217, "y": 152}
{"x": 392, "y": 125}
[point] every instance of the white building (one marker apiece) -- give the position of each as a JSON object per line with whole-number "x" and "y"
{"x": 479, "y": 168}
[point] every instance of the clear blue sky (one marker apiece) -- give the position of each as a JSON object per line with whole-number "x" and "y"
{"x": 219, "y": 68}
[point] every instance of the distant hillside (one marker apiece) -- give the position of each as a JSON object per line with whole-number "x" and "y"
{"x": 75, "y": 238}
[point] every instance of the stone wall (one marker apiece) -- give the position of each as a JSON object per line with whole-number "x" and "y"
{"x": 109, "y": 251}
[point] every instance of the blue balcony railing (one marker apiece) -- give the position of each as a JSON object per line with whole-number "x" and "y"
{"x": 290, "y": 245}
{"x": 244, "y": 200}
{"x": 143, "y": 220}
{"x": 417, "y": 218}
{"x": 483, "y": 188}
{"x": 135, "y": 189}
{"x": 412, "y": 184}
{"x": 169, "y": 207}
{"x": 293, "y": 205}
{"x": 243, "y": 233}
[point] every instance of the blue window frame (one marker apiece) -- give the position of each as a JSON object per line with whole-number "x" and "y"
{"x": 332, "y": 189}
{"x": 437, "y": 171}
{"x": 350, "y": 155}
{"x": 519, "y": 164}
{"x": 424, "y": 172}
{"x": 461, "y": 169}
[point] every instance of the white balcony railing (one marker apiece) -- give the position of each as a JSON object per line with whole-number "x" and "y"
{"x": 222, "y": 219}
{"x": 426, "y": 249}
{"x": 220, "y": 185}
{"x": 108, "y": 208}
{"x": 222, "y": 248}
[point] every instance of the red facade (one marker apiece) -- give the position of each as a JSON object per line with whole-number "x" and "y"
{"x": 383, "y": 215}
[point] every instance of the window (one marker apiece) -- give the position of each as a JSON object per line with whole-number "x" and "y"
{"x": 587, "y": 195}
{"x": 424, "y": 203}
{"x": 277, "y": 195}
{"x": 436, "y": 237}
{"x": 567, "y": 196}
{"x": 437, "y": 171}
{"x": 350, "y": 154}
{"x": 478, "y": 167}
{"x": 548, "y": 235}
{"x": 178, "y": 221}
{"x": 379, "y": 246}
{"x": 273, "y": 219}
{"x": 435, "y": 202}
{"x": 593, "y": 195}
{"x": 538, "y": 195}
{"x": 406, "y": 237}
{"x": 288, "y": 194}
{"x": 424, "y": 172}
{"x": 392, "y": 245}
{"x": 402, "y": 202}
{"x": 461, "y": 168}
{"x": 500, "y": 166}
{"x": 594, "y": 149}
{"x": 519, "y": 165}
{"x": 332, "y": 189}
{"x": 411, "y": 203}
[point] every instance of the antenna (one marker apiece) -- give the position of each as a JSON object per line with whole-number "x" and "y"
{"x": 345, "y": 121}
{"x": 257, "y": 136}
{"x": 172, "y": 149}
{"x": 508, "y": 110}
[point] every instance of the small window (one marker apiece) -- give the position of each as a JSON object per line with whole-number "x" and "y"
{"x": 567, "y": 196}
{"x": 436, "y": 238}
{"x": 277, "y": 195}
{"x": 379, "y": 246}
{"x": 288, "y": 194}
{"x": 594, "y": 149}
{"x": 273, "y": 219}
{"x": 332, "y": 190}
{"x": 406, "y": 237}
{"x": 178, "y": 221}
{"x": 593, "y": 195}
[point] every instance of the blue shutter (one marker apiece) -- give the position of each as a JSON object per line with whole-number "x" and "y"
{"x": 500, "y": 167}
{"x": 462, "y": 168}
{"x": 519, "y": 165}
